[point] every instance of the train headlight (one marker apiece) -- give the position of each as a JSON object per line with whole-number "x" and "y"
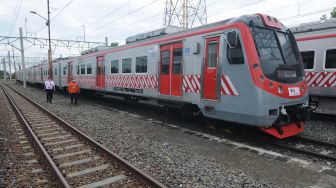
{"x": 302, "y": 87}
{"x": 280, "y": 90}
{"x": 261, "y": 78}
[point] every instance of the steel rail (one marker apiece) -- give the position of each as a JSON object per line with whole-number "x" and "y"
{"x": 304, "y": 151}
{"x": 305, "y": 139}
{"x": 137, "y": 172}
{"x": 319, "y": 155}
{"x": 51, "y": 163}
{"x": 319, "y": 115}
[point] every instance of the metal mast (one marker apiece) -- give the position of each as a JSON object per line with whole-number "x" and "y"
{"x": 185, "y": 13}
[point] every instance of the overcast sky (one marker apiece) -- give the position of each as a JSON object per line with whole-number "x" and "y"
{"x": 118, "y": 19}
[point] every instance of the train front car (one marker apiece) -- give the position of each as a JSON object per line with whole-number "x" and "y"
{"x": 273, "y": 95}
{"x": 281, "y": 75}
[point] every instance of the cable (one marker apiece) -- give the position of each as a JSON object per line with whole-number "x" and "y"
{"x": 138, "y": 21}
{"x": 105, "y": 25}
{"x": 59, "y": 12}
{"x": 99, "y": 19}
{"x": 109, "y": 13}
{"x": 306, "y": 14}
{"x": 12, "y": 22}
{"x": 17, "y": 13}
{"x": 231, "y": 10}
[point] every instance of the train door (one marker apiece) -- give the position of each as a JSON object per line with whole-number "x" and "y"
{"x": 100, "y": 76}
{"x": 171, "y": 69}
{"x": 59, "y": 73}
{"x": 41, "y": 74}
{"x": 70, "y": 76}
{"x": 210, "y": 68}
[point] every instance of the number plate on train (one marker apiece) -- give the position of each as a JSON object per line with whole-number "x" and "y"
{"x": 294, "y": 91}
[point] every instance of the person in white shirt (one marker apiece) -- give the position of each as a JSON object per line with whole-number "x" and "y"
{"x": 49, "y": 87}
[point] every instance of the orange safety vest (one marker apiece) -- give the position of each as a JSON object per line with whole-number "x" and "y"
{"x": 73, "y": 87}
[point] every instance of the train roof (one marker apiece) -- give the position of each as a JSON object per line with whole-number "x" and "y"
{"x": 315, "y": 26}
{"x": 142, "y": 37}
{"x": 146, "y": 37}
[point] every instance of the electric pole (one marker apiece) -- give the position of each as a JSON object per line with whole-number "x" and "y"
{"x": 5, "y": 71}
{"x": 23, "y": 60}
{"x": 49, "y": 51}
{"x": 10, "y": 68}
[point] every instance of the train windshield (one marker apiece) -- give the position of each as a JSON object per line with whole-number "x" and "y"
{"x": 278, "y": 58}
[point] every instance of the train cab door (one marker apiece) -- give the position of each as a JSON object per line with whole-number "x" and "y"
{"x": 70, "y": 73}
{"x": 100, "y": 76}
{"x": 211, "y": 68}
{"x": 171, "y": 69}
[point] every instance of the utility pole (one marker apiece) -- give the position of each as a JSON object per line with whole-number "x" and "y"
{"x": 84, "y": 32}
{"x": 23, "y": 60}
{"x": 49, "y": 51}
{"x": 5, "y": 71}
{"x": 26, "y": 20}
{"x": 14, "y": 59}
{"x": 10, "y": 68}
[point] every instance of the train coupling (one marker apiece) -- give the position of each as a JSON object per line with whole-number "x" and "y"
{"x": 289, "y": 122}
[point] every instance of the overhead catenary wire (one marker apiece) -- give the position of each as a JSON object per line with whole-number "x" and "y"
{"x": 17, "y": 14}
{"x": 58, "y": 13}
{"x": 109, "y": 13}
{"x": 126, "y": 15}
{"x": 98, "y": 20}
{"x": 132, "y": 24}
{"x": 12, "y": 22}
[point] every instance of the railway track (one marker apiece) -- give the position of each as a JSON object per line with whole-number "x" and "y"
{"x": 319, "y": 115}
{"x": 75, "y": 159}
{"x": 307, "y": 146}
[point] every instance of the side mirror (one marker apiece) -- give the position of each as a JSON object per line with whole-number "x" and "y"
{"x": 232, "y": 39}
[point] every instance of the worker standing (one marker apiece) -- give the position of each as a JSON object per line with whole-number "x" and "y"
{"x": 73, "y": 91}
{"x": 49, "y": 87}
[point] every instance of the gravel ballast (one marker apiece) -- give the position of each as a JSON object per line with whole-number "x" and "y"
{"x": 20, "y": 164}
{"x": 175, "y": 158}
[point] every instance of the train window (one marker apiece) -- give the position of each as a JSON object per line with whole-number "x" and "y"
{"x": 235, "y": 54}
{"x": 141, "y": 64}
{"x": 126, "y": 65}
{"x": 115, "y": 66}
{"x": 55, "y": 72}
{"x": 308, "y": 59}
{"x": 212, "y": 54}
{"x": 82, "y": 68}
{"x": 88, "y": 69}
{"x": 64, "y": 70}
{"x": 77, "y": 69}
{"x": 165, "y": 62}
{"x": 177, "y": 60}
{"x": 330, "y": 61}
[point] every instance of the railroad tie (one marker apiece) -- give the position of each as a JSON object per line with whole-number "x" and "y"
{"x": 104, "y": 182}
{"x": 77, "y": 162}
{"x": 60, "y": 142}
{"x": 68, "y": 147}
{"x": 72, "y": 154}
{"x": 88, "y": 170}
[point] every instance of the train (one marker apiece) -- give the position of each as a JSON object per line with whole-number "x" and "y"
{"x": 317, "y": 45}
{"x": 246, "y": 70}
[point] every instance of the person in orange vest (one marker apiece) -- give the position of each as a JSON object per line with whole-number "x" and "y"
{"x": 73, "y": 91}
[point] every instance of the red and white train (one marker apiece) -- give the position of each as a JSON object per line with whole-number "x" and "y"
{"x": 246, "y": 70}
{"x": 317, "y": 44}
